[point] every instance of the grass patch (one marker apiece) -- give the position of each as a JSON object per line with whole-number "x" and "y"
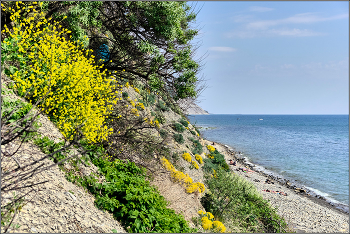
{"x": 234, "y": 199}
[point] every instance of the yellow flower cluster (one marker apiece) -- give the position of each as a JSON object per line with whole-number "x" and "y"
{"x": 199, "y": 158}
{"x": 214, "y": 174}
{"x": 182, "y": 178}
{"x": 219, "y": 227}
{"x": 194, "y": 163}
{"x": 209, "y": 223}
{"x": 132, "y": 102}
{"x": 74, "y": 91}
{"x": 187, "y": 157}
{"x": 135, "y": 112}
{"x": 127, "y": 85}
{"x": 137, "y": 90}
{"x": 140, "y": 104}
{"x": 210, "y": 156}
{"x": 210, "y": 148}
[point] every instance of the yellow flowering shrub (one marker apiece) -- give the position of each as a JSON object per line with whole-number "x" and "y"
{"x": 194, "y": 163}
{"x": 210, "y": 148}
{"x": 137, "y": 90}
{"x": 187, "y": 157}
{"x": 140, "y": 104}
{"x": 134, "y": 112}
{"x": 219, "y": 227}
{"x": 182, "y": 178}
{"x": 156, "y": 123}
{"x": 200, "y": 212}
{"x": 208, "y": 222}
{"x": 210, "y": 215}
{"x": 210, "y": 156}
{"x": 73, "y": 91}
{"x": 199, "y": 158}
{"x": 132, "y": 103}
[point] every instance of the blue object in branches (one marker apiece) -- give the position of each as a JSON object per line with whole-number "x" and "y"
{"x": 103, "y": 53}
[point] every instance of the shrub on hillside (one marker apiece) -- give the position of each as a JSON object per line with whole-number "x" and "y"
{"x": 178, "y": 127}
{"x": 179, "y": 138}
{"x": 198, "y": 148}
{"x": 162, "y": 106}
{"x": 215, "y": 161}
{"x": 125, "y": 95}
{"x": 183, "y": 122}
{"x": 163, "y": 133}
{"x": 241, "y": 202}
{"x": 69, "y": 87}
{"x": 132, "y": 200}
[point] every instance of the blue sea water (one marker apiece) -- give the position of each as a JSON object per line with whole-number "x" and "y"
{"x": 311, "y": 149}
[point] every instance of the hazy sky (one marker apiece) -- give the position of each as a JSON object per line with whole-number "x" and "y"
{"x": 275, "y": 57}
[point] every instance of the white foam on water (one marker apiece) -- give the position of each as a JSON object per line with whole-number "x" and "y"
{"x": 325, "y": 195}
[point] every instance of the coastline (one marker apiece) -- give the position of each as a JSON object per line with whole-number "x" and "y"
{"x": 303, "y": 210}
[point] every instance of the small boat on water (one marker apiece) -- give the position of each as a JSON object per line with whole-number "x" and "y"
{"x": 261, "y": 119}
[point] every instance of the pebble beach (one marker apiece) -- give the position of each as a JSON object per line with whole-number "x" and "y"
{"x": 302, "y": 212}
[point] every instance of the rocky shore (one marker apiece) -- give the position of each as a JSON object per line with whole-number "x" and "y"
{"x": 302, "y": 210}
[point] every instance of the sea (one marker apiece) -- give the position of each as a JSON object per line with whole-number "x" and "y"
{"x": 311, "y": 150}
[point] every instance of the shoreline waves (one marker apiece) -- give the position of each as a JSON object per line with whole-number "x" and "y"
{"x": 303, "y": 209}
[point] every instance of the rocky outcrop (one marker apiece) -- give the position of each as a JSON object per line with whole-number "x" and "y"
{"x": 191, "y": 108}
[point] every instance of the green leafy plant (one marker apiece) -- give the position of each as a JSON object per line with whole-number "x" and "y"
{"x": 178, "y": 127}
{"x": 179, "y": 138}
{"x": 151, "y": 98}
{"x": 48, "y": 146}
{"x": 233, "y": 197}
{"x": 162, "y": 106}
{"x": 125, "y": 95}
{"x": 184, "y": 122}
{"x": 131, "y": 198}
{"x": 214, "y": 161}
{"x": 198, "y": 148}
{"x": 163, "y": 133}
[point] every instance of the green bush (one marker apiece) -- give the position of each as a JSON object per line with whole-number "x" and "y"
{"x": 193, "y": 132}
{"x": 125, "y": 95}
{"x": 178, "y": 127}
{"x": 214, "y": 161}
{"x": 162, "y": 106}
{"x": 163, "y": 133}
{"x": 19, "y": 107}
{"x": 49, "y": 146}
{"x": 198, "y": 148}
{"x": 151, "y": 98}
{"x": 183, "y": 122}
{"x": 179, "y": 138}
{"x": 160, "y": 117}
{"x": 132, "y": 200}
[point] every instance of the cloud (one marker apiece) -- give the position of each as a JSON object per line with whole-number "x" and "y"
{"x": 304, "y": 18}
{"x": 223, "y": 49}
{"x": 278, "y": 27}
{"x": 242, "y": 18}
{"x": 260, "y": 9}
{"x": 287, "y": 66}
{"x": 295, "y": 32}
{"x": 342, "y": 65}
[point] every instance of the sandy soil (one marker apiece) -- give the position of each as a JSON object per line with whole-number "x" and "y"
{"x": 302, "y": 212}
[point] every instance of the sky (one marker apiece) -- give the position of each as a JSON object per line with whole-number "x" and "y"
{"x": 276, "y": 57}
